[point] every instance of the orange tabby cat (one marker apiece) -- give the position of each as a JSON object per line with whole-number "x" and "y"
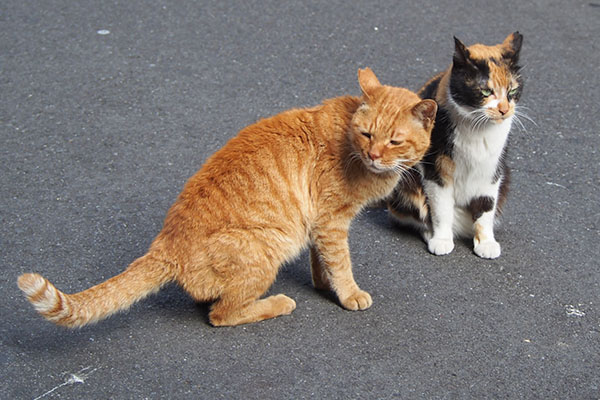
{"x": 284, "y": 183}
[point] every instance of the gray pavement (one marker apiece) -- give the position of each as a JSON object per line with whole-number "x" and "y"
{"x": 106, "y": 108}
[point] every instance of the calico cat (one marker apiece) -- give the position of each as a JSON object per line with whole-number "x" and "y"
{"x": 285, "y": 183}
{"x": 461, "y": 184}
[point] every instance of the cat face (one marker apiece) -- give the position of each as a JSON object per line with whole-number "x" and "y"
{"x": 485, "y": 82}
{"x": 391, "y": 129}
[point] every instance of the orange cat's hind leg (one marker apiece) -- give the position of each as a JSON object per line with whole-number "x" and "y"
{"x": 226, "y": 313}
{"x": 239, "y": 300}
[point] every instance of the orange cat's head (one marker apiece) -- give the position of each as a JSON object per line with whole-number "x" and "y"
{"x": 391, "y": 129}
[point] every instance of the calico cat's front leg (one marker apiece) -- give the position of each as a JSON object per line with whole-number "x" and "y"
{"x": 332, "y": 269}
{"x": 441, "y": 207}
{"x": 483, "y": 210}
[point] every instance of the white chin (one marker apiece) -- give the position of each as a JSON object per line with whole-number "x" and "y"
{"x": 502, "y": 119}
{"x": 375, "y": 169}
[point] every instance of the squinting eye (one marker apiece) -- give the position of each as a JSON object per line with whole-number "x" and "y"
{"x": 395, "y": 142}
{"x": 512, "y": 92}
{"x": 486, "y": 92}
{"x": 366, "y": 134}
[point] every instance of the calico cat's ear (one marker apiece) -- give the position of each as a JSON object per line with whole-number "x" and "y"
{"x": 425, "y": 111}
{"x": 512, "y": 47}
{"x": 367, "y": 81}
{"x": 461, "y": 54}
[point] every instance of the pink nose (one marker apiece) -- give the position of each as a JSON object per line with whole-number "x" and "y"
{"x": 373, "y": 155}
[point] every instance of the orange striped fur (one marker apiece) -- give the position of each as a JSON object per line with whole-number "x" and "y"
{"x": 285, "y": 183}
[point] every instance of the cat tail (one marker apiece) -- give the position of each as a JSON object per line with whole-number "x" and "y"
{"x": 144, "y": 276}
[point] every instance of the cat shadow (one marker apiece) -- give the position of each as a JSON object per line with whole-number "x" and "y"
{"x": 170, "y": 306}
{"x": 378, "y": 217}
{"x": 295, "y": 278}
{"x": 173, "y": 302}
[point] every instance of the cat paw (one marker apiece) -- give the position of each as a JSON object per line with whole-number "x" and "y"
{"x": 426, "y": 234}
{"x": 359, "y": 300}
{"x": 487, "y": 249}
{"x": 284, "y": 304}
{"x": 439, "y": 247}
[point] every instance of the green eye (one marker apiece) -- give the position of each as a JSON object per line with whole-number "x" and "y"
{"x": 512, "y": 92}
{"x": 486, "y": 92}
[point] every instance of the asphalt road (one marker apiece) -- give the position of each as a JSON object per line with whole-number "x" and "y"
{"x": 106, "y": 108}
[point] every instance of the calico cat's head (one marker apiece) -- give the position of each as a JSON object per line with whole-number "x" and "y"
{"x": 391, "y": 129}
{"x": 485, "y": 82}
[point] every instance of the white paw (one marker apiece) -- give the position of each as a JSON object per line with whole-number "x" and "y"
{"x": 487, "y": 249}
{"x": 426, "y": 234}
{"x": 439, "y": 247}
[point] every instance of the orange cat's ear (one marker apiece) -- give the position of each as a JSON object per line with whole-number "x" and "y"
{"x": 367, "y": 81}
{"x": 425, "y": 111}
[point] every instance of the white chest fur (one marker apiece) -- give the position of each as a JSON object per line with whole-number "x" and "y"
{"x": 476, "y": 155}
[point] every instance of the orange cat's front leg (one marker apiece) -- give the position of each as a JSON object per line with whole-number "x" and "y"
{"x": 334, "y": 268}
{"x": 319, "y": 274}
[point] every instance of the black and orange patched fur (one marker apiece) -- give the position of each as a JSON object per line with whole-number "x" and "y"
{"x": 281, "y": 185}
{"x": 461, "y": 184}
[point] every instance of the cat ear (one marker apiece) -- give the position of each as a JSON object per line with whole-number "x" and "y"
{"x": 461, "y": 54}
{"x": 512, "y": 47}
{"x": 367, "y": 81}
{"x": 425, "y": 111}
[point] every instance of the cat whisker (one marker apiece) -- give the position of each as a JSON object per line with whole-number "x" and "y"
{"x": 523, "y": 67}
{"x": 400, "y": 173}
{"x": 426, "y": 162}
{"x": 474, "y": 112}
{"x": 402, "y": 170}
{"x": 519, "y": 123}
{"x": 519, "y": 113}
{"x": 519, "y": 106}
{"x": 398, "y": 165}
{"x": 476, "y": 118}
{"x": 475, "y": 122}
{"x": 430, "y": 152}
{"x": 484, "y": 120}
{"x": 405, "y": 175}
{"x": 480, "y": 120}
{"x": 352, "y": 158}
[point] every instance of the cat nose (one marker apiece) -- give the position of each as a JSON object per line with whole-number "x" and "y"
{"x": 503, "y": 108}
{"x": 374, "y": 155}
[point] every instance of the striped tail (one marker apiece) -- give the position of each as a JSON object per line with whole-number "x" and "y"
{"x": 143, "y": 277}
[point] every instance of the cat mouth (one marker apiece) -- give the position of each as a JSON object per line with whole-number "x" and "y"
{"x": 375, "y": 167}
{"x": 498, "y": 117}
{"x": 499, "y": 120}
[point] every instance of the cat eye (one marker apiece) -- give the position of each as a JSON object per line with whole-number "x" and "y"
{"x": 512, "y": 92}
{"x": 396, "y": 142}
{"x": 486, "y": 92}
{"x": 366, "y": 134}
